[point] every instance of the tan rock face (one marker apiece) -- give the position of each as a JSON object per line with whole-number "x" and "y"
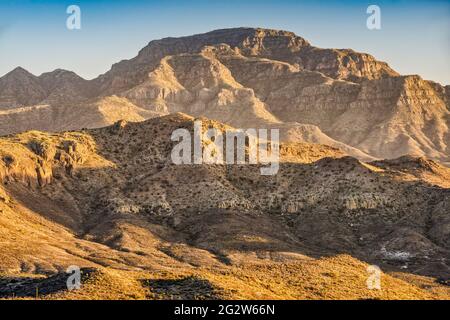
{"x": 34, "y": 157}
{"x": 396, "y": 116}
{"x": 248, "y": 78}
{"x": 344, "y": 64}
{"x": 265, "y": 43}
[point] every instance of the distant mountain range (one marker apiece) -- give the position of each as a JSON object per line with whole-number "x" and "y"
{"x": 246, "y": 77}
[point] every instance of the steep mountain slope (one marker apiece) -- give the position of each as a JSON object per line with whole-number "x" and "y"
{"x": 266, "y": 43}
{"x": 90, "y": 114}
{"x": 63, "y": 87}
{"x": 398, "y": 116}
{"x": 200, "y": 85}
{"x": 115, "y": 200}
{"x": 247, "y": 78}
{"x": 19, "y": 88}
{"x": 385, "y": 118}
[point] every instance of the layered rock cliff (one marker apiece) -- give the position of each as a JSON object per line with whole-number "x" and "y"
{"x": 247, "y": 77}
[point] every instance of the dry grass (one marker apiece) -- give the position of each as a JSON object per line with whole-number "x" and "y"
{"x": 340, "y": 277}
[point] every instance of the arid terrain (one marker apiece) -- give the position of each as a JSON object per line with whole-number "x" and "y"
{"x": 88, "y": 180}
{"x": 246, "y": 78}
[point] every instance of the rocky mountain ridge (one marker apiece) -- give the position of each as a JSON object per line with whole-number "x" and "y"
{"x": 247, "y": 77}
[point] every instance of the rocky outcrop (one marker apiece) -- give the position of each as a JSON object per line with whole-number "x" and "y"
{"x": 344, "y": 64}
{"x": 34, "y": 158}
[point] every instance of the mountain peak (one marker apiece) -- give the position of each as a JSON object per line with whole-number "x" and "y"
{"x": 20, "y": 88}
{"x": 253, "y": 40}
{"x": 19, "y": 72}
{"x": 59, "y": 74}
{"x": 250, "y": 31}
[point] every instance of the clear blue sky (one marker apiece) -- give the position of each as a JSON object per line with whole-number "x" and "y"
{"x": 414, "y": 38}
